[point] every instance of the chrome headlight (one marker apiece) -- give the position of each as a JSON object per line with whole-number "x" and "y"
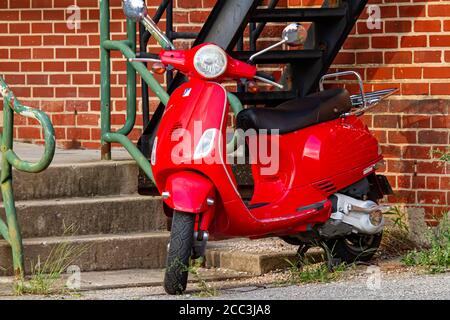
{"x": 210, "y": 61}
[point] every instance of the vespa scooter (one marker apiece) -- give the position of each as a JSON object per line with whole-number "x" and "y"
{"x": 325, "y": 189}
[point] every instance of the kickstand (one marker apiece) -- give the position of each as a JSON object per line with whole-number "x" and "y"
{"x": 301, "y": 254}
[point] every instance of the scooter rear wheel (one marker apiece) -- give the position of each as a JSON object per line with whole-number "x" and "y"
{"x": 355, "y": 247}
{"x": 179, "y": 252}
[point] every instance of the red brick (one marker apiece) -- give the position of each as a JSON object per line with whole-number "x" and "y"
{"x": 413, "y": 41}
{"x": 432, "y": 182}
{"x": 439, "y": 41}
{"x": 380, "y": 73}
{"x": 403, "y": 196}
{"x": 418, "y": 182}
{"x": 431, "y": 197}
{"x": 369, "y": 57}
{"x": 78, "y": 133}
{"x": 440, "y": 121}
{"x": 427, "y": 56}
{"x": 427, "y": 26}
{"x": 19, "y": 28}
{"x": 436, "y": 72}
{"x": 399, "y": 26}
{"x": 408, "y": 73}
{"x": 440, "y": 89}
{"x": 403, "y": 57}
{"x": 439, "y": 10}
{"x": 29, "y": 133}
{"x": 433, "y": 137}
{"x": 88, "y": 120}
{"x": 412, "y": 11}
{"x": 402, "y": 137}
{"x": 31, "y": 40}
{"x": 415, "y": 121}
{"x": 415, "y": 88}
{"x": 387, "y": 121}
{"x": 63, "y": 119}
{"x": 391, "y": 151}
{"x": 416, "y": 152}
{"x": 385, "y": 42}
{"x": 435, "y": 167}
{"x": 37, "y": 79}
{"x": 404, "y": 182}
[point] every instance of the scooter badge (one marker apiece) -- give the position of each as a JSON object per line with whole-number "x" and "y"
{"x": 187, "y": 92}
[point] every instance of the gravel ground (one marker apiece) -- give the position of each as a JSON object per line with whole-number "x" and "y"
{"x": 404, "y": 286}
{"x": 266, "y": 245}
{"x": 387, "y": 283}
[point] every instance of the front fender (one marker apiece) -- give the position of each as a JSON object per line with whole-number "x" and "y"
{"x": 188, "y": 191}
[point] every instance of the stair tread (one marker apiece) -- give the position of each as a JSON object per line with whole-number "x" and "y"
{"x": 91, "y": 238}
{"x": 84, "y": 200}
{"x": 263, "y": 97}
{"x": 297, "y": 14}
{"x": 275, "y": 56}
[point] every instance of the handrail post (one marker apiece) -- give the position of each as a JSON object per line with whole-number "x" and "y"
{"x": 105, "y": 87}
{"x": 14, "y": 234}
{"x": 11, "y": 229}
{"x": 128, "y": 49}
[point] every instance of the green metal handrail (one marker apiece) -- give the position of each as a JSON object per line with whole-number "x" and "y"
{"x": 11, "y": 229}
{"x": 128, "y": 49}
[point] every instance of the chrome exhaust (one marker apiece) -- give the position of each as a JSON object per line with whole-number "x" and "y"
{"x": 363, "y": 216}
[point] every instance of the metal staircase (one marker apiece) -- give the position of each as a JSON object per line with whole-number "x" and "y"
{"x": 225, "y": 26}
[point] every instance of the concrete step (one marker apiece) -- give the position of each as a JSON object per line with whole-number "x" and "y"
{"x": 101, "y": 252}
{"x": 96, "y": 215}
{"x": 256, "y": 257}
{"x": 131, "y": 278}
{"x": 65, "y": 180}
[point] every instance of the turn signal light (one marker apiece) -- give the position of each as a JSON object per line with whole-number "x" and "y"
{"x": 252, "y": 87}
{"x": 158, "y": 68}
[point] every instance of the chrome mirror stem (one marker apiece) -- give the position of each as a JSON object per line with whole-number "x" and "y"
{"x": 257, "y": 54}
{"x": 151, "y": 26}
{"x": 136, "y": 10}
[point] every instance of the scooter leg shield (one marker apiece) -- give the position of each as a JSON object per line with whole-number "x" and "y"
{"x": 189, "y": 191}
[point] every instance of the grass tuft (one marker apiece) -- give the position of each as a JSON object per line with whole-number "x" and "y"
{"x": 205, "y": 290}
{"x": 306, "y": 272}
{"x": 435, "y": 259}
{"x": 45, "y": 276}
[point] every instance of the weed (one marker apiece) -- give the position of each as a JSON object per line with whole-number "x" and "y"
{"x": 398, "y": 217}
{"x": 435, "y": 259}
{"x": 45, "y": 276}
{"x": 396, "y": 240}
{"x": 443, "y": 155}
{"x": 205, "y": 289}
{"x": 305, "y": 272}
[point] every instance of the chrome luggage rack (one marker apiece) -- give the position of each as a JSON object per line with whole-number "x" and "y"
{"x": 361, "y": 102}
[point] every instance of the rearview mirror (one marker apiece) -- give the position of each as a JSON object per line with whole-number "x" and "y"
{"x": 294, "y": 35}
{"x": 135, "y": 10}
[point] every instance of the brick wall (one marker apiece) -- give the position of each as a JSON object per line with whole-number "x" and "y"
{"x": 56, "y": 69}
{"x": 411, "y": 51}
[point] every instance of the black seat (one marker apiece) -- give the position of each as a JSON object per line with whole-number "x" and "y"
{"x": 298, "y": 113}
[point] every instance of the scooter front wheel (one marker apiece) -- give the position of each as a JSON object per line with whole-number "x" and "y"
{"x": 179, "y": 252}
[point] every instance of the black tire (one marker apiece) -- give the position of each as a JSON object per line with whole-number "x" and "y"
{"x": 354, "y": 247}
{"x": 179, "y": 252}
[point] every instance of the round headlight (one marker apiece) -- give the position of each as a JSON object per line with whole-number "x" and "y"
{"x": 210, "y": 61}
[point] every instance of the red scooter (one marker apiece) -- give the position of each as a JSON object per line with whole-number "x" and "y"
{"x": 323, "y": 190}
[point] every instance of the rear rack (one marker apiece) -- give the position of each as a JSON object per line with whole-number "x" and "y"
{"x": 363, "y": 101}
